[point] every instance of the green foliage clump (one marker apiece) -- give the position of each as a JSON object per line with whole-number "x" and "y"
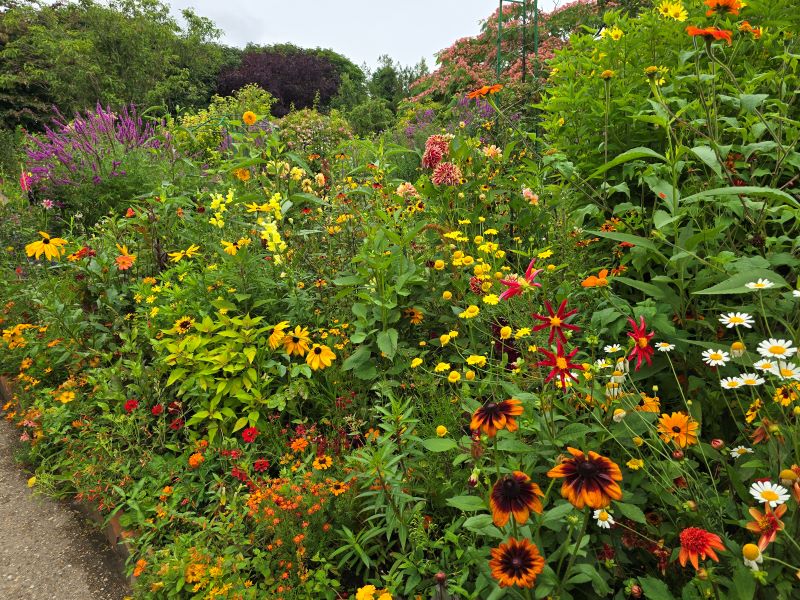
{"x": 308, "y": 131}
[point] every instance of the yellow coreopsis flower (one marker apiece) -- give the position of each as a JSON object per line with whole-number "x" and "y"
{"x": 50, "y": 247}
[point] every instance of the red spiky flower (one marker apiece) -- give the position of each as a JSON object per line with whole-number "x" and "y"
{"x": 556, "y": 321}
{"x": 642, "y": 349}
{"x": 560, "y": 364}
{"x": 698, "y": 543}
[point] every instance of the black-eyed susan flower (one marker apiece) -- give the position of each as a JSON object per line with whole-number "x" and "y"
{"x": 51, "y": 247}
{"x": 516, "y": 495}
{"x": 183, "y": 325}
{"x": 296, "y": 342}
{"x": 589, "y": 480}
{"x": 277, "y": 334}
{"x": 320, "y": 357}
{"x": 492, "y": 417}
{"x": 516, "y": 563}
{"x": 679, "y": 428}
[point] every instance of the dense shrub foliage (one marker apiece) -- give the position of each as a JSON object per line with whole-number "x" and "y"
{"x": 513, "y": 347}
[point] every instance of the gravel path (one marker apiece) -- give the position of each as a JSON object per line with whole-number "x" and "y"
{"x": 48, "y": 551}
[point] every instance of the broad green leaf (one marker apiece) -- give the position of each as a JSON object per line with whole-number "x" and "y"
{"x": 750, "y": 102}
{"x": 709, "y": 157}
{"x": 175, "y": 375}
{"x": 467, "y": 503}
{"x": 648, "y": 288}
{"x": 746, "y": 190}
{"x": 250, "y": 353}
{"x": 634, "y": 513}
{"x": 634, "y": 154}
{"x": 439, "y": 444}
{"x": 655, "y": 589}
{"x": 556, "y": 514}
{"x": 387, "y": 342}
{"x": 744, "y": 584}
{"x": 737, "y": 283}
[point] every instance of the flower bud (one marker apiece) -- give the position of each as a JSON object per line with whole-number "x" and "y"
{"x": 677, "y": 454}
{"x": 717, "y": 444}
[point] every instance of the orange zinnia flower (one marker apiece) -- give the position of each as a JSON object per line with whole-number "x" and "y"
{"x": 125, "y": 260}
{"x": 710, "y": 33}
{"x": 746, "y": 27}
{"x": 731, "y": 7}
{"x": 588, "y": 480}
{"x": 516, "y": 562}
{"x": 698, "y": 543}
{"x": 598, "y": 281}
{"x": 767, "y": 524}
{"x": 485, "y": 91}
{"x": 514, "y": 494}
{"x": 495, "y": 416}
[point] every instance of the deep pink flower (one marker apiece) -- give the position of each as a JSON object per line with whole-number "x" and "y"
{"x": 446, "y": 173}
{"x": 436, "y": 147}
{"x": 560, "y": 364}
{"x": 556, "y": 321}
{"x": 515, "y": 286}
{"x": 25, "y": 181}
{"x": 249, "y": 434}
{"x": 642, "y": 349}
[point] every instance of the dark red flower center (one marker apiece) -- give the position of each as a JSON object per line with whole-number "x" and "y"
{"x": 676, "y": 429}
{"x": 588, "y": 469}
{"x": 318, "y": 350}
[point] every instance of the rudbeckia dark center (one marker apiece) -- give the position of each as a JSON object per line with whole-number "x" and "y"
{"x": 511, "y": 487}
{"x": 295, "y": 339}
{"x": 516, "y": 562}
{"x": 45, "y": 241}
{"x": 587, "y": 469}
{"x": 317, "y": 350}
{"x": 491, "y": 406}
{"x": 676, "y": 429}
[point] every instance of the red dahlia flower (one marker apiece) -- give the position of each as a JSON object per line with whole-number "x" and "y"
{"x": 556, "y": 321}
{"x": 642, "y": 349}
{"x": 560, "y": 363}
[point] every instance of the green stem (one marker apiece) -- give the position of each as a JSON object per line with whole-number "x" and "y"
{"x": 572, "y": 556}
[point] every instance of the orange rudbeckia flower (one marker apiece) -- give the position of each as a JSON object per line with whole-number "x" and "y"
{"x": 589, "y": 480}
{"x": 514, "y": 494}
{"x": 494, "y": 416}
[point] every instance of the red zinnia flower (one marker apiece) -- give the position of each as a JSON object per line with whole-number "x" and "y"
{"x": 249, "y": 434}
{"x": 556, "y": 321}
{"x": 261, "y": 465}
{"x": 560, "y": 363}
{"x": 710, "y": 33}
{"x": 131, "y": 405}
{"x": 157, "y": 410}
{"x": 642, "y": 349}
{"x": 698, "y": 543}
{"x": 588, "y": 480}
{"x": 515, "y": 286}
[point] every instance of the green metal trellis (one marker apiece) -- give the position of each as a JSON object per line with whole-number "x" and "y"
{"x": 524, "y": 4}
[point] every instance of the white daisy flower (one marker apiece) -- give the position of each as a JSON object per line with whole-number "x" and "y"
{"x": 786, "y": 370}
{"x": 751, "y": 379}
{"x": 740, "y": 451}
{"x": 767, "y": 492}
{"x": 715, "y": 358}
{"x": 602, "y": 363}
{"x": 776, "y": 348}
{"x": 752, "y": 557}
{"x": 613, "y": 390}
{"x": 623, "y": 365}
{"x": 796, "y": 293}
{"x": 761, "y": 284}
{"x": 617, "y": 376}
{"x": 765, "y": 365}
{"x": 665, "y": 347}
{"x": 731, "y": 383}
{"x": 612, "y": 348}
{"x": 604, "y": 518}
{"x": 734, "y": 319}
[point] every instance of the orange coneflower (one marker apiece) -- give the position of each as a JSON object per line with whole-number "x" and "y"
{"x": 319, "y": 357}
{"x": 297, "y": 341}
{"x": 277, "y": 334}
{"x": 731, "y": 7}
{"x": 698, "y": 543}
{"x": 494, "y": 416}
{"x": 514, "y": 494}
{"x": 768, "y": 523}
{"x": 516, "y": 562}
{"x": 710, "y": 33}
{"x": 414, "y": 315}
{"x": 679, "y": 428}
{"x": 588, "y": 480}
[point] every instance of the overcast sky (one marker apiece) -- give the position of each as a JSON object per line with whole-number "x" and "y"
{"x": 362, "y": 30}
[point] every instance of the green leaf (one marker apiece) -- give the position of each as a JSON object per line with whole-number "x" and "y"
{"x": 483, "y": 524}
{"x": 736, "y": 283}
{"x": 648, "y": 288}
{"x": 556, "y": 514}
{"x": 744, "y": 584}
{"x": 439, "y": 444}
{"x": 240, "y": 423}
{"x": 250, "y": 353}
{"x": 747, "y": 190}
{"x": 709, "y": 157}
{"x": 467, "y": 503}
{"x": 636, "y": 240}
{"x": 175, "y": 375}
{"x": 750, "y": 102}
{"x": 634, "y": 154}
{"x": 634, "y": 513}
{"x": 387, "y": 342}
{"x": 655, "y": 589}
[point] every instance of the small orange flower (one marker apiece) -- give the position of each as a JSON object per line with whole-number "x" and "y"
{"x": 679, "y": 428}
{"x": 195, "y": 460}
{"x": 485, "y": 91}
{"x": 731, "y": 7}
{"x": 768, "y": 524}
{"x": 598, "y": 281}
{"x": 755, "y": 31}
{"x": 710, "y": 33}
{"x": 125, "y": 260}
